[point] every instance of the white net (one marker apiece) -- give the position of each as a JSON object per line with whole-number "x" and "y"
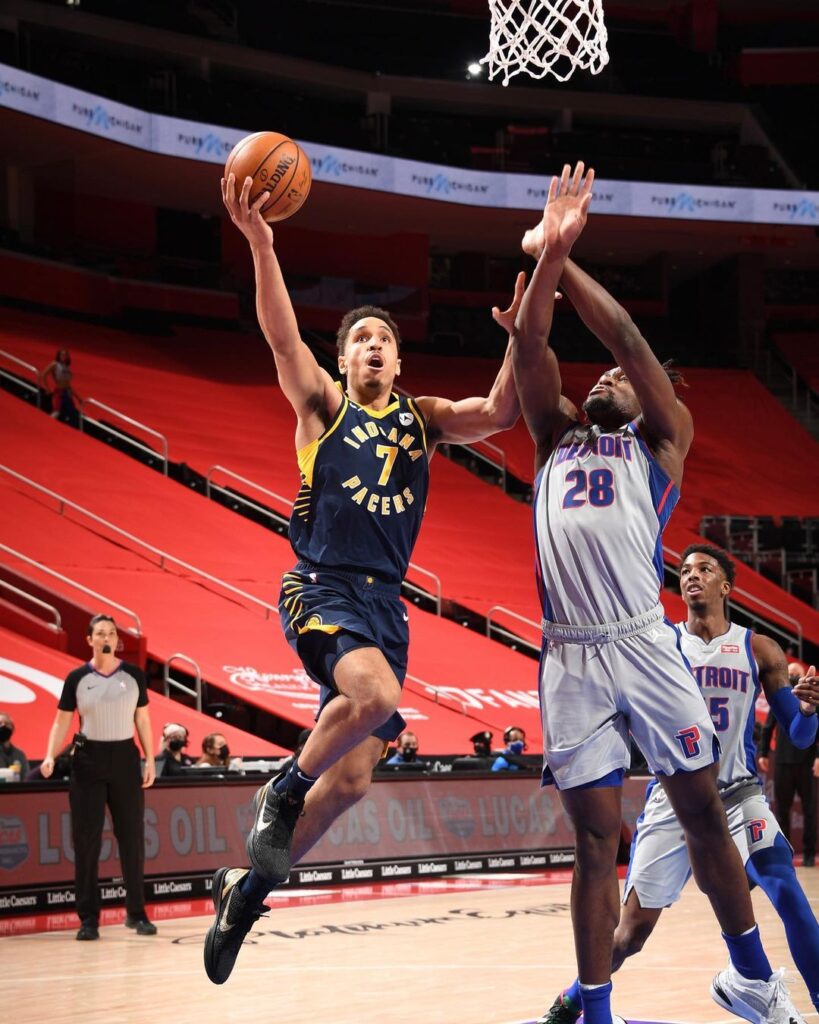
{"x": 546, "y": 37}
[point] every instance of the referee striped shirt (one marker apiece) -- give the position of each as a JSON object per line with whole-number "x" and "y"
{"x": 106, "y": 703}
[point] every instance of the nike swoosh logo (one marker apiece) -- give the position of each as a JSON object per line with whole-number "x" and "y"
{"x": 93, "y": 687}
{"x": 406, "y": 617}
{"x": 261, "y": 825}
{"x": 224, "y": 926}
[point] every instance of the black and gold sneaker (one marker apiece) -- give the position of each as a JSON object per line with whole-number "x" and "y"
{"x": 233, "y": 921}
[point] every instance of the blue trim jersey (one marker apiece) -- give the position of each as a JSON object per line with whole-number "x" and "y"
{"x": 363, "y": 491}
{"x": 601, "y": 504}
{"x": 728, "y": 677}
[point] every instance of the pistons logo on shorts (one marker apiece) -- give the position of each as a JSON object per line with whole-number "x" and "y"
{"x": 689, "y": 740}
{"x": 756, "y": 828}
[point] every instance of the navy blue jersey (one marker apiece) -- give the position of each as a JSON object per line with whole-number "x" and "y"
{"x": 363, "y": 490}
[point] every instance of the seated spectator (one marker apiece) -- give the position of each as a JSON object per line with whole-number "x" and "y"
{"x": 510, "y": 759}
{"x": 215, "y": 751}
{"x": 171, "y": 759}
{"x": 11, "y": 756}
{"x": 406, "y": 749}
{"x": 482, "y": 743}
{"x": 64, "y": 400}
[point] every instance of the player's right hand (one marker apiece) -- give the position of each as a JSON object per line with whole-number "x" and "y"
{"x": 566, "y": 210}
{"x": 247, "y": 218}
{"x": 47, "y": 767}
{"x": 807, "y": 690}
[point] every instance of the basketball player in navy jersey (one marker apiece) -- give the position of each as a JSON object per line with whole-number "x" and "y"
{"x": 605, "y": 489}
{"x": 730, "y": 665}
{"x": 363, "y": 454}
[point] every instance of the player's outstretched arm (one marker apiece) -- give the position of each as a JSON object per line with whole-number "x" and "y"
{"x": 537, "y": 374}
{"x": 308, "y": 388}
{"x": 665, "y": 418}
{"x": 473, "y": 419}
{"x": 794, "y": 709}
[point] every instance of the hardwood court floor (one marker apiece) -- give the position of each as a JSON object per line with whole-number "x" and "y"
{"x": 448, "y": 954}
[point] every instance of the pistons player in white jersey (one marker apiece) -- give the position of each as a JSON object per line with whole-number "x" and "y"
{"x": 730, "y": 665}
{"x": 611, "y": 665}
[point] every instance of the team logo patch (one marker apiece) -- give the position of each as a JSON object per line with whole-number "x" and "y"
{"x": 405, "y": 419}
{"x": 689, "y": 741}
{"x": 756, "y": 828}
{"x": 729, "y": 649}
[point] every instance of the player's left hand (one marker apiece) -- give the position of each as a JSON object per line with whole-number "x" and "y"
{"x": 148, "y": 773}
{"x": 807, "y": 691}
{"x": 506, "y": 318}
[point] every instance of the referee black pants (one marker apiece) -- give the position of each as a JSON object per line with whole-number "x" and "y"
{"x": 107, "y": 773}
{"x": 790, "y": 779}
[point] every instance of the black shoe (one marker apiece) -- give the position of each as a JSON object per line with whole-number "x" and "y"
{"x": 141, "y": 925}
{"x": 560, "y": 1012}
{"x": 234, "y": 919}
{"x": 268, "y": 844}
{"x": 808, "y": 861}
{"x": 88, "y": 931}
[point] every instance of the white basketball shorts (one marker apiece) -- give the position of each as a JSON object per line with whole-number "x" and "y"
{"x": 593, "y": 694}
{"x": 659, "y": 866}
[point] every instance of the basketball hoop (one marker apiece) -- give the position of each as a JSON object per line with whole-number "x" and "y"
{"x": 546, "y": 37}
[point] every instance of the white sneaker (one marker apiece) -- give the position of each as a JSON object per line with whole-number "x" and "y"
{"x": 761, "y": 1002}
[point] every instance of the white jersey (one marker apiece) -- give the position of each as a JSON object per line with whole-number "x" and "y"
{"x": 728, "y": 677}
{"x": 601, "y": 504}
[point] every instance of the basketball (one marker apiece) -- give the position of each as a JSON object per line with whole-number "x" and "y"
{"x": 277, "y": 165}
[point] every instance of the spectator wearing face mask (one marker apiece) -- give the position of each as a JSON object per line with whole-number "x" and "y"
{"x": 215, "y": 751}
{"x": 11, "y": 756}
{"x": 482, "y": 743}
{"x": 510, "y": 758}
{"x": 171, "y": 756}
{"x": 406, "y": 749}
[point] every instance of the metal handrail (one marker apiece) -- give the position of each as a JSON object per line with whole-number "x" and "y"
{"x": 748, "y": 596}
{"x": 163, "y": 556}
{"x": 513, "y": 615}
{"x": 242, "y": 479}
{"x": 196, "y": 693}
{"x": 438, "y": 693}
{"x": 438, "y": 595}
{"x": 79, "y": 586}
{"x": 26, "y": 366}
{"x": 118, "y": 433}
{"x": 57, "y": 624}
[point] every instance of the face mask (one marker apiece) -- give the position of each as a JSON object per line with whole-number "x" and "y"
{"x": 408, "y": 753}
{"x": 176, "y": 745}
{"x": 5, "y": 733}
{"x": 516, "y": 747}
{"x": 223, "y": 753}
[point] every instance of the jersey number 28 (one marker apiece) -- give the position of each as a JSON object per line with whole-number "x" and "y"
{"x": 596, "y": 488}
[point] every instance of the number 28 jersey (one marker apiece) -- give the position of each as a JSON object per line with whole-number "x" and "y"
{"x": 601, "y": 505}
{"x": 363, "y": 491}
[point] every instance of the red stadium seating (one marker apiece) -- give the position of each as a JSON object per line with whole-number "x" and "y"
{"x": 214, "y": 396}
{"x": 480, "y": 684}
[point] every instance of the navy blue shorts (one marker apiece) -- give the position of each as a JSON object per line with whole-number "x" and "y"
{"x": 326, "y": 614}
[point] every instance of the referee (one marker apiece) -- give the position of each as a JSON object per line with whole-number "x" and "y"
{"x": 111, "y": 697}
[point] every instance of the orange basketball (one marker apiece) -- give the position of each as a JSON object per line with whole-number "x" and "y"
{"x": 277, "y": 165}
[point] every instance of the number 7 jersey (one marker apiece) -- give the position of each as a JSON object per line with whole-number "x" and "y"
{"x": 601, "y": 504}
{"x": 363, "y": 491}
